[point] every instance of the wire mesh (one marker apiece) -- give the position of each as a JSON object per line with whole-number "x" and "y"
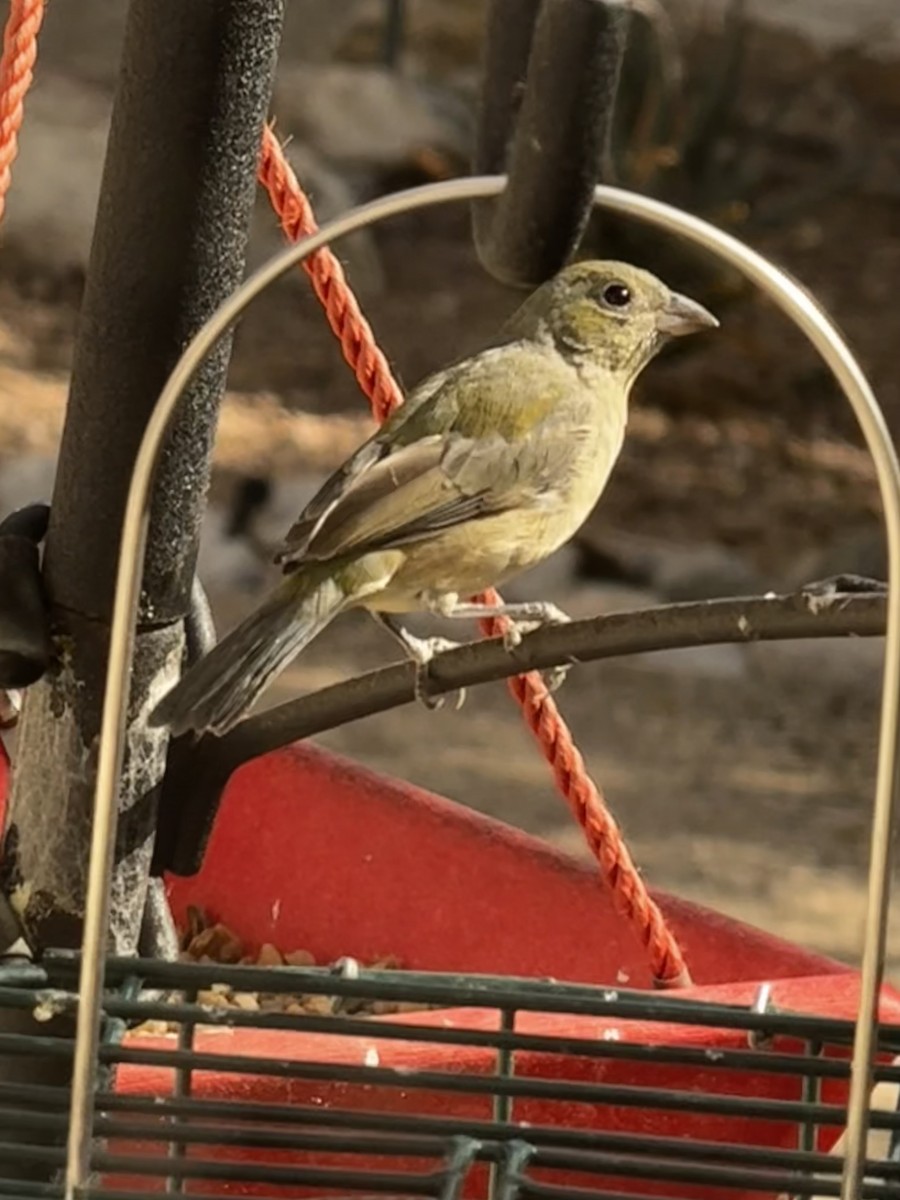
{"x": 309, "y": 1082}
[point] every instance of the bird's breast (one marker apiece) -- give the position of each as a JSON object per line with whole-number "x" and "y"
{"x": 482, "y": 553}
{"x": 593, "y": 454}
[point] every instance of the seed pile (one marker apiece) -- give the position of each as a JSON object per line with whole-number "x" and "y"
{"x": 211, "y": 942}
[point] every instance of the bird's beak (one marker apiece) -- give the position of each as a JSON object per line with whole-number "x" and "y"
{"x": 681, "y": 316}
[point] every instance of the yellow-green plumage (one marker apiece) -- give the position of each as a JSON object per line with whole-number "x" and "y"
{"x": 487, "y": 469}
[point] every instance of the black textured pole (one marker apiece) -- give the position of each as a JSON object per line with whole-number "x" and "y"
{"x": 550, "y": 78}
{"x": 169, "y": 245}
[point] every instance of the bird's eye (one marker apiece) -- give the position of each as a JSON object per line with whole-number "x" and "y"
{"x": 616, "y": 295}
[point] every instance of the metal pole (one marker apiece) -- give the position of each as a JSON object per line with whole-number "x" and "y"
{"x": 177, "y": 194}
{"x": 169, "y": 244}
{"x": 550, "y": 93}
{"x": 794, "y": 301}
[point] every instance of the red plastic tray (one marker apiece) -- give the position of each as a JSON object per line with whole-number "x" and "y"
{"x": 312, "y": 851}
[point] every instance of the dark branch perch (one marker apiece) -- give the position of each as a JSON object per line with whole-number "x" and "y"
{"x": 197, "y": 772}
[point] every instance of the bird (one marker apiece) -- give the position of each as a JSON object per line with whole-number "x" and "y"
{"x": 489, "y": 466}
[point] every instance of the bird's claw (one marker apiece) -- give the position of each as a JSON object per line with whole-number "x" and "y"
{"x": 556, "y": 676}
{"x": 516, "y": 629}
{"x": 427, "y": 649}
{"x": 545, "y": 614}
{"x": 424, "y": 696}
{"x": 514, "y": 632}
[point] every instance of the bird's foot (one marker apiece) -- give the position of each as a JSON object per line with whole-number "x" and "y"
{"x": 528, "y": 618}
{"x": 422, "y": 654}
{"x": 426, "y": 697}
{"x": 421, "y": 651}
{"x": 556, "y": 676}
{"x": 540, "y": 614}
{"x": 522, "y": 618}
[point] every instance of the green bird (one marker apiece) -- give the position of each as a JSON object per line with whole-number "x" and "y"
{"x": 488, "y": 468}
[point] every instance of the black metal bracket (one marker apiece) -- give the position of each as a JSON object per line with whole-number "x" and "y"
{"x": 25, "y": 644}
{"x": 184, "y": 824}
{"x": 26, "y": 650}
{"x": 26, "y": 647}
{"x": 551, "y": 73}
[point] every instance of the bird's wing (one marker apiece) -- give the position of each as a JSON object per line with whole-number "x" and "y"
{"x": 441, "y": 462}
{"x": 349, "y": 474}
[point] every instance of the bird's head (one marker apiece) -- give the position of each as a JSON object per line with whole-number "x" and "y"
{"x": 615, "y": 315}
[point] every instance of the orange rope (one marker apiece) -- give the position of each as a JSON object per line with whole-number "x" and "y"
{"x": 603, "y": 835}
{"x": 329, "y": 282}
{"x": 16, "y": 65}
{"x": 538, "y": 707}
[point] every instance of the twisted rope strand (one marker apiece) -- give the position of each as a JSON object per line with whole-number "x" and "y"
{"x": 16, "y": 72}
{"x": 329, "y": 282}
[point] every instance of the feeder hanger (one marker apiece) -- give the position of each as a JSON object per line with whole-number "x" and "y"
{"x": 551, "y": 74}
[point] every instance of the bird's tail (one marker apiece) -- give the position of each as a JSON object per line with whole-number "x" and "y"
{"x": 216, "y": 691}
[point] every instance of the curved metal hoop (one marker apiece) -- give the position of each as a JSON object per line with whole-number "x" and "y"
{"x": 799, "y": 306}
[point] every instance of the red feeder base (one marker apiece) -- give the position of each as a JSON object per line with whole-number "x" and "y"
{"x": 312, "y": 851}
{"x": 345, "y": 862}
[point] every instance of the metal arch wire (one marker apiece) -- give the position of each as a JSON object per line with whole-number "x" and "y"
{"x": 797, "y": 304}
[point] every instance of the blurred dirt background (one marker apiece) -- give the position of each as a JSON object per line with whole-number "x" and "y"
{"x": 742, "y": 776}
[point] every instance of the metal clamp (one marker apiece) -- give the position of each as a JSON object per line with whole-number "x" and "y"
{"x": 551, "y": 73}
{"x": 25, "y": 644}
